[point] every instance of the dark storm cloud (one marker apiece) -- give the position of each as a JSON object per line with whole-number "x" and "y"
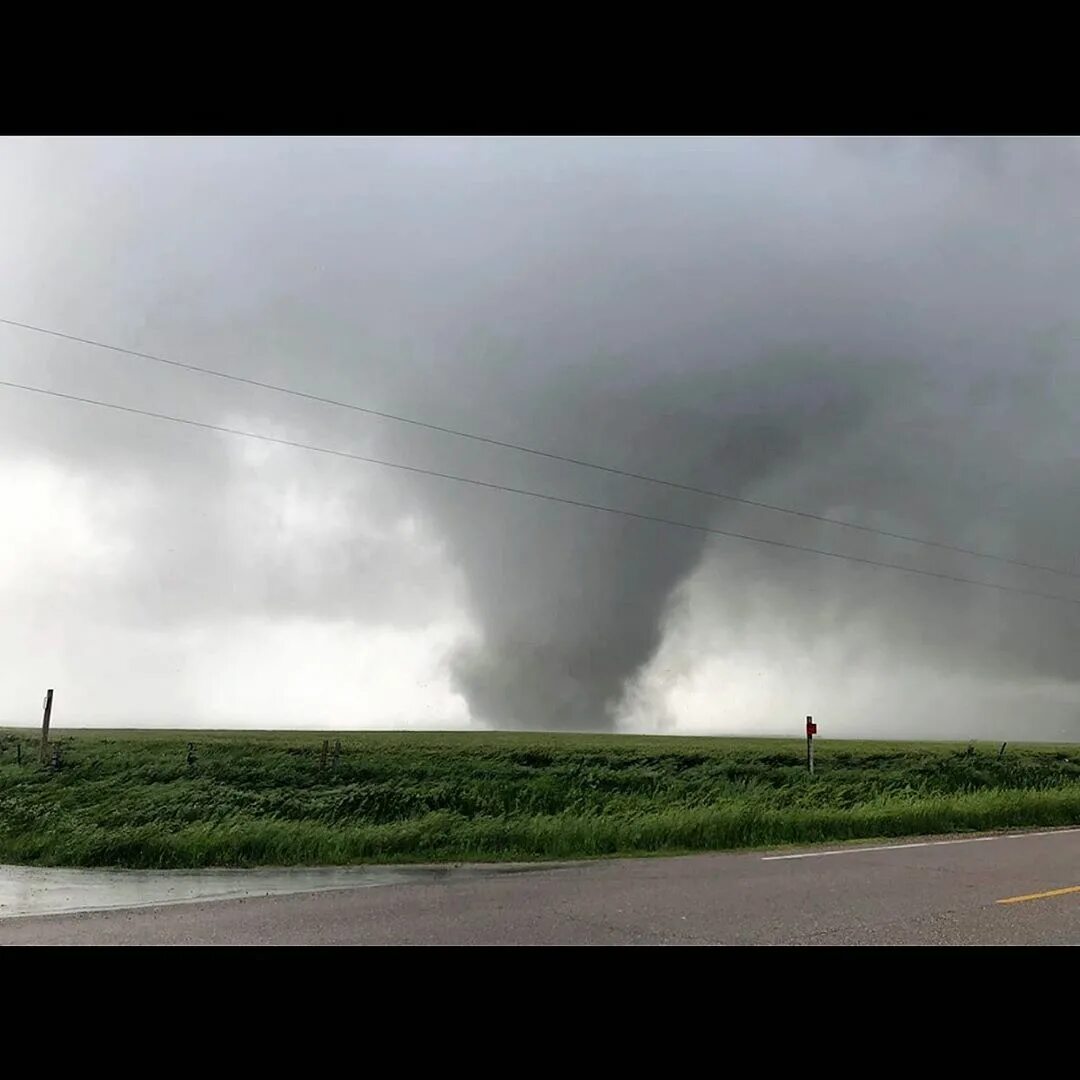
{"x": 880, "y": 331}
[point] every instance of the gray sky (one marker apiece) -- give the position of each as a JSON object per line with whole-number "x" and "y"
{"x": 878, "y": 330}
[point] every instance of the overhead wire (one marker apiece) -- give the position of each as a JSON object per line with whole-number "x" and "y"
{"x": 526, "y": 492}
{"x": 540, "y": 453}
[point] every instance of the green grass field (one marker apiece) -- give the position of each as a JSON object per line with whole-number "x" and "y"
{"x": 260, "y": 798}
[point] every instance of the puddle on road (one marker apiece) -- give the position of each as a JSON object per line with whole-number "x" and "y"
{"x": 32, "y": 890}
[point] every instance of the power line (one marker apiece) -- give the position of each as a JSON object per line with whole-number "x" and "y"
{"x": 565, "y": 459}
{"x": 221, "y": 429}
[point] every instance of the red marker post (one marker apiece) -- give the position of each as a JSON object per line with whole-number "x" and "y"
{"x": 811, "y": 731}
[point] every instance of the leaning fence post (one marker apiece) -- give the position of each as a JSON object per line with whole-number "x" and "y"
{"x": 45, "y": 726}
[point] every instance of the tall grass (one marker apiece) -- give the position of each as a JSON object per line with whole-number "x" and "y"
{"x": 131, "y": 798}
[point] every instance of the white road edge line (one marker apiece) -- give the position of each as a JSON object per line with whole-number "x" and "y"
{"x": 917, "y": 844}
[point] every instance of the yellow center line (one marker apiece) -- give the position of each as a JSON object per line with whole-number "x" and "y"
{"x": 1040, "y": 895}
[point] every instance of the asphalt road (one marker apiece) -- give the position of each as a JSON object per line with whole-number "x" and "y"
{"x": 1022, "y": 889}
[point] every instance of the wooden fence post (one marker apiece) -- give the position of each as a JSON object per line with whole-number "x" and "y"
{"x": 45, "y": 727}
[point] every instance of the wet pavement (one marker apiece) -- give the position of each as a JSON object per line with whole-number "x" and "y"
{"x": 31, "y": 890}
{"x": 1001, "y": 889}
